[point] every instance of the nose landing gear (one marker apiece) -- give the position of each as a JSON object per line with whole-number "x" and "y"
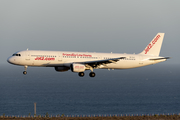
{"x": 25, "y": 72}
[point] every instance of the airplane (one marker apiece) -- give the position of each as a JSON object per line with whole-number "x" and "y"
{"x": 80, "y": 61}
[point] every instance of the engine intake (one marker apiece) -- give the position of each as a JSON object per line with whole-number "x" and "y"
{"x": 62, "y": 69}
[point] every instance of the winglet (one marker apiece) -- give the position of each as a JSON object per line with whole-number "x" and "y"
{"x": 154, "y": 47}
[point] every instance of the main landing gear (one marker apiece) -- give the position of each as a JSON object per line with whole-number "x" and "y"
{"x": 81, "y": 74}
{"x": 25, "y": 72}
{"x": 91, "y": 74}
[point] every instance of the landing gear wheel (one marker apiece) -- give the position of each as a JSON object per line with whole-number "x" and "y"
{"x": 25, "y": 67}
{"x": 81, "y": 74}
{"x": 24, "y": 72}
{"x": 92, "y": 74}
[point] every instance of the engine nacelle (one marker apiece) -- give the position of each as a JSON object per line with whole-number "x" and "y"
{"x": 78, "y": 67}
{"x": 62, "y": 69}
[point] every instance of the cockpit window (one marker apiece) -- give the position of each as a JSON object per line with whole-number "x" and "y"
{"x": 16, "y": 55}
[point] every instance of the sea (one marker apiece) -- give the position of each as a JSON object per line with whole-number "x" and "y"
{"x": 153, "y": 89}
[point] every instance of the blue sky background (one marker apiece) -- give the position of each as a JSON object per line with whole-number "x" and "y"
{"x": 119, "y": 26}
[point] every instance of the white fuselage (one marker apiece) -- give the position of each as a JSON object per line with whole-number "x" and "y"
{"x": 81, "y": 61}
{"x": 64, "y": 58}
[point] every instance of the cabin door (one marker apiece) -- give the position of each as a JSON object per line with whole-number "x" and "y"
{"x": 140, "y": 60}
{"x": 60, "y": 57}
{"x": 27, "y": 55}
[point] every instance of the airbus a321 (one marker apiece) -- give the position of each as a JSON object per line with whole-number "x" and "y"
{"x": 80, "y": 61}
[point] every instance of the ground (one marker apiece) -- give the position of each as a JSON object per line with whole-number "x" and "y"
{"x": 155, "y": 117}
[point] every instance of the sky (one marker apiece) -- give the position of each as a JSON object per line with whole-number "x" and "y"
{"x": 118, "y": 26}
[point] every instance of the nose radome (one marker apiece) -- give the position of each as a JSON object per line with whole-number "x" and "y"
{"x": 10, "y": 60}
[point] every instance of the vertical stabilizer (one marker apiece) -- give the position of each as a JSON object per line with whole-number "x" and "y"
{"x": 154, "y": 47}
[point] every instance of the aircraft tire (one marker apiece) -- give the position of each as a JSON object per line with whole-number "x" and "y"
{"x": 92, "y": 74}
{"x": 24, "y": 72}
{"x": 81, "y": 74}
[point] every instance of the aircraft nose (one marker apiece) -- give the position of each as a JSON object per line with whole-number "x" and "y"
{"x": 10, "y": 60}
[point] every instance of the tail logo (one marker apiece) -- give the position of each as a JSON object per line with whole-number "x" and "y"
{"x": 152, "y": 44}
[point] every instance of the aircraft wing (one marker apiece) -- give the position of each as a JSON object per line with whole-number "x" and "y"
{"x": 101, "y": 62}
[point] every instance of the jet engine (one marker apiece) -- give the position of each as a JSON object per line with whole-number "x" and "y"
{"x": 78, "y": 67}
{"x": 62, "y": 69}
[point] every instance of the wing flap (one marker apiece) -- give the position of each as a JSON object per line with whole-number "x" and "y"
{"x": 101, "y": 62}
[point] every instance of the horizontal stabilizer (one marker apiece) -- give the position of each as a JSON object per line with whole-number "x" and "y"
{"x": 160, "y": 58}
